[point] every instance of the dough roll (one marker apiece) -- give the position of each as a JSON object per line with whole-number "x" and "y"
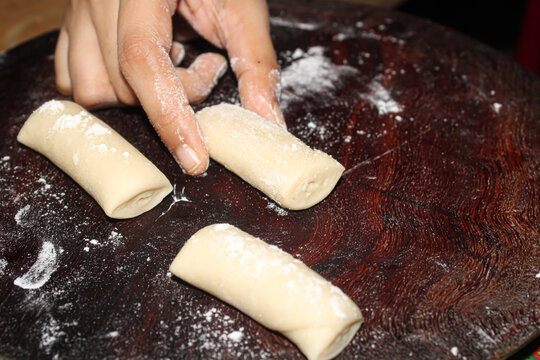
{"x": 123, "y": 182}
{"x": 268, "y": 157}
{"x": 270, "y": 286}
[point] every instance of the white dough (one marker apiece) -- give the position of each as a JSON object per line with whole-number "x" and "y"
{"x": 110, "y": 169}
{"x": 270, "y": 286}
{"x": 268, "y": 157}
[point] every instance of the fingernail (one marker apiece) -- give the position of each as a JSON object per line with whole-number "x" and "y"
{"x": 177, "y": 53}
{"x": 222, "y": 70}
{"x": 189, "y": 160}
{"x": 278, "y": 116}
{"x": 281, "y": 120}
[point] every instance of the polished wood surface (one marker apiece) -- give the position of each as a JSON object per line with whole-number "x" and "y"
{"x": 433, "y": 230}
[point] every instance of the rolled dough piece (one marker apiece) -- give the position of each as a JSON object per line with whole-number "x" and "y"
{"x": 123, "y": 182}
{"x": 270, "y": 286}
{"x": 268, "y": 157}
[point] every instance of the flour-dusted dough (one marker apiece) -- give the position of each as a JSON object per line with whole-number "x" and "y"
{"x": 268, "y": 157}
{"x": 271, "y": 286}
{"x": 110, "y": 169}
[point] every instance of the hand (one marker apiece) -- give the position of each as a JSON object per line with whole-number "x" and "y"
{"x": 112, "y": 52}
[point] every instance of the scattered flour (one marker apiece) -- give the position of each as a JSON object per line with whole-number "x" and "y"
{"x": 52, "y": 105}
{"x": 236, "y": 336}
{"x": 21, "y": 214}
{"x": 102, "y": 148}
{"x": 278, "y": 21}
{"x": 52, "y": 202}
{"x": 312, "y": 74}
{"x": 455, "y": 351}
{"x": 381, "y": 98}
{"x": 278, "y": 209}
{"x": 215, "y": 330}
{"x": 180, "y": 198}
{"x": 43, "y": 181}
{"x": 115, "y": 237}
{"x": 176, "y": 199}
{"x": 208, "y": 315}
{"x": 341, "y": 37}
{"x": 485, "y": 336}
{"x": 97, "y": 130}
{"x": 111, "y": 334}
{"x": 3, "y": 264}
{"x": 497, "y": 107}
{"x": 41, "y": 271}
{"x": 68, "y": 121}
{"x": 50, "y": 334}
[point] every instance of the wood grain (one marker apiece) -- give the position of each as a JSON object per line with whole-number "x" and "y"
{"x": 433, "y": 230}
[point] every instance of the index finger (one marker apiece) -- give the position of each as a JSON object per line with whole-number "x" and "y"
{"x": 144, "y": 42}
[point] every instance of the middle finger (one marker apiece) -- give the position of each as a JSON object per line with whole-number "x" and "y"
{"x": 104, "y": 15}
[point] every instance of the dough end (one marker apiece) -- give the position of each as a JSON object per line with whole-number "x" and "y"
{"x": 323, "y": 343}
{"x": 140, "y": 203}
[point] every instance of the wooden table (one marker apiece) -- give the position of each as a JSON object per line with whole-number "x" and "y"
{"x": 22, "y": 20}
{"x": 433, "y": 230}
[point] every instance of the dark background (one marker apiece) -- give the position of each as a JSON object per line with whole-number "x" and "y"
{"x": 495, "y": 23}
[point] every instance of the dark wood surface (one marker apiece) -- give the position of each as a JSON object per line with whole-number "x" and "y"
{"x": 433, "y": 230}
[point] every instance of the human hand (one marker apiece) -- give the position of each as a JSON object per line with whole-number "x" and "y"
{"x": 112, "y": 52}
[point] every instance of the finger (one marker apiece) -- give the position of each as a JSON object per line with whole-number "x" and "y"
{"x": 63, "y": 81}
{"x": 202, "y": 76}
{"x": 258, "y": 86}
{"x": 253, "y": 59}
{"x": 89, "y": 78}
{"x": 144, "y": 40}
{"x": 104, "y": 15}
{"x": 177, "y": 53}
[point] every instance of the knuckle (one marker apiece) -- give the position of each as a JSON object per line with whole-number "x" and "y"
{"x": 133, "y": 51}
{"x": 213, "y": 57}
{"x": 254, "y": 66}
{"x": 126, "y": 97}
{"x": 89, "y": 96}
{"x": 123, "y": 91}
